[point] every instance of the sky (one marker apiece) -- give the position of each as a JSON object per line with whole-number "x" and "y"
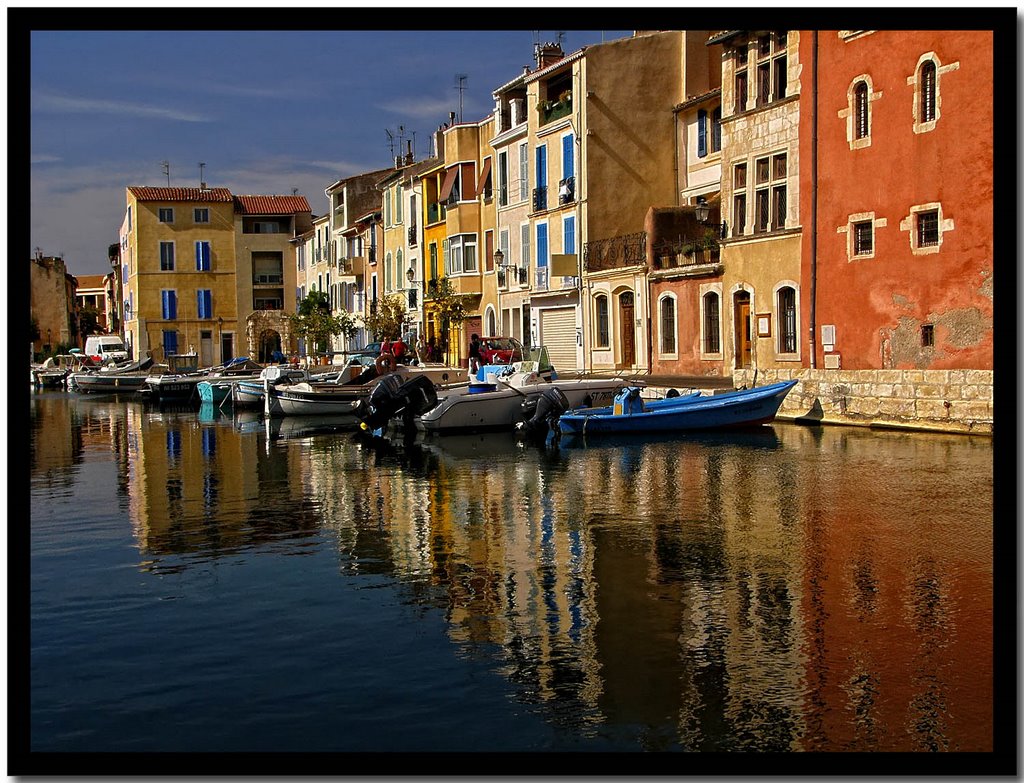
{"x": 265, "y": 111}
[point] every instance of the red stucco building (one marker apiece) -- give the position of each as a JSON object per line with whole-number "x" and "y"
{"x": 896, "y": 149}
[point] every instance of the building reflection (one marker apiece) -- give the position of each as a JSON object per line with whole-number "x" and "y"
{"x": 770, "y": 592}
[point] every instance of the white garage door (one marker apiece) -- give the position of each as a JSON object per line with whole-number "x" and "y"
{"x": 558, "y": 335}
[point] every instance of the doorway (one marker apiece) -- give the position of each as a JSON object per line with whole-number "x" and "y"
{"x": 627, "y": 333}
{"x": 741, "y": 311}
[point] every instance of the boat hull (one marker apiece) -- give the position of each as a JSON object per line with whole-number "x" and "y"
{"x": 501, "y": 409}
{"x": 742, "y": 408}
{"x": 107, "y": 383}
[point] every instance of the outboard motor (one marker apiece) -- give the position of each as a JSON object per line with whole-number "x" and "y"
{"x": 542, "y": 413}
{"x": 391, "y": 397}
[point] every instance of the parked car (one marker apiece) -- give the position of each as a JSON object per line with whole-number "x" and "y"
{"x": 370, "y": 349}
{"x": 500, "y": 350}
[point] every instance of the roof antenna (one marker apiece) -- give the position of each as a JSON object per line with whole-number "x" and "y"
{"x": 391, "y": 141}
{"x": 561, "y": 35}
{"x": 202, "y": 184}
{"x": 167, "y": 170}
{"x": 461, "y": 87}
{"x": 295, "y": 191}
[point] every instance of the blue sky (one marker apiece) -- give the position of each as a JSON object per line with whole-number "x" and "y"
{"x": 265, "y": 111}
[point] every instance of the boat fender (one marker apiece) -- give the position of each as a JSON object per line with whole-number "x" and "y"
{"x": 385, "y": 363}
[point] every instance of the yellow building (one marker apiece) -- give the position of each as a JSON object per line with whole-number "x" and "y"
{"x": 208, "y": 272}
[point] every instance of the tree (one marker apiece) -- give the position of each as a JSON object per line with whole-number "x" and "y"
{"x": 315, "y": 324}
{"x": 387, "y": 319}
{"x": 89, "y": 321}
{"x": 451, "y": 310}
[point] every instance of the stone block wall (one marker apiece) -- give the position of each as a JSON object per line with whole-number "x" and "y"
{"x": 943, "y": 400}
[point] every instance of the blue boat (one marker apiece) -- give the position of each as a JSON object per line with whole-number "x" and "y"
{"x": 631, "y": 413}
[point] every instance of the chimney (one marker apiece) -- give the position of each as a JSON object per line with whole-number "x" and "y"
{"x": 408, "y": 153}
{"x": 526, "y": 70}
{"x": 548, "y": 54}
{"x": 398, "y": 161}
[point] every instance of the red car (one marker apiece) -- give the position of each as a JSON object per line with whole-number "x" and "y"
{"x": 500, "y": 350}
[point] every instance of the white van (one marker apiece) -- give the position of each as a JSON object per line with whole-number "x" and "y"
{"x": 106, "y": 346}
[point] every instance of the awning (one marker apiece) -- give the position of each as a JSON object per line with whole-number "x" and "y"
{"x": 449, "y": 181}
{"x": 485, "y": 174}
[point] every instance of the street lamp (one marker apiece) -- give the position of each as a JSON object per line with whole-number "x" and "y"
{"x": 702, "y": 211}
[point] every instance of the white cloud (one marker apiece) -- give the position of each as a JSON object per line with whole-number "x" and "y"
{"x": 421, "y": 108}
{"x": 44, "y": 159}
{"x": 48, "y": 102}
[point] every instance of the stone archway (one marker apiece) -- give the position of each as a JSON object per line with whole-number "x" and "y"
{"x": 267, "y": 331}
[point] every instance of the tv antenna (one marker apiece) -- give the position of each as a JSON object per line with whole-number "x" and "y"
{"x": 391, "y": 141}
{"x": 461, "y": 87}
{"x": 166, "y": 164}
{"x": 561, "y": 36}
{"x": 202, "y": 182}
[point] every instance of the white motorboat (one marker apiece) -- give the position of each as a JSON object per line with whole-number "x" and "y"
{"x": 499, "y": 398}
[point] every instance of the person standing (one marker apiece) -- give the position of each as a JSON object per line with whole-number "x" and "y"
{"x": 474, "y": 354}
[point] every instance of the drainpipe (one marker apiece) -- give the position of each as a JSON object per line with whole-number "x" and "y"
{"x": 814, "y": 199}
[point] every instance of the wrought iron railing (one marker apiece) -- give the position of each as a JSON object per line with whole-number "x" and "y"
{"x": 540, "y": 198}
{"x": 687, "y": 251}
{"x": 616, "y": 252}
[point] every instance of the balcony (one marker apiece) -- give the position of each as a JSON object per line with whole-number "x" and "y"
{"x": 268, "y": 279}
{"x": 412, "y": 235}
{"x": 689, "y": 252}
{"x": 554, "y": 110}
{"x": 615, "y": 253}
{"x": 436, "y": 212}
{"x": 567, "y": 190}
{"x": 540, "y": 198}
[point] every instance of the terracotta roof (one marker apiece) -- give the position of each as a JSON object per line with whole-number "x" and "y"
{"x": 695, "y": 100}
{"x": 180, "y": 194}
{"x": 271, "y": 205}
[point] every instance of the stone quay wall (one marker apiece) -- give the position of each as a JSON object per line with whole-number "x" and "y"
{"x": 939, "y": 400}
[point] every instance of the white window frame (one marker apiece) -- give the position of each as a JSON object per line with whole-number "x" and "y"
{"x": 849, "y": 229}
{"x": 711, "y": 288}
{"x": 455, "y": 262}
{"x": 174, "y": 255}
{"x": 606, "y": 297}
{"x": 909, "y": 224}
{"x": 849, "y": 113}
{"x": 160, "y": 214}
{"x": 777, "y": 316}
{"x": 674, "y": 353}
{"x": 914, "y": 80}
{"x": 200, "y": 212}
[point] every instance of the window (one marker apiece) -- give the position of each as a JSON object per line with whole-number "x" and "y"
{"x": 524, "y": 246}
{"x": 860, "y": 110}
{"x": 202, "y": 256}
{"x": 388, "y": 285}
{"x": 712, "y": 335}
{"x": 502, "y": 179}
{"x": 204, "y": 303}
{"x": 787, "y": 320}
{"x": 170, "y": 342}
{"x": 739, "y": 200}
{"x": 300, "y": 257}
{"x": 201, "y": 215}
{"x": 166, "y": 256}
{"x": 716, "y": 129}
{"x": 569, "y": 234}
{"x": 928, "y": 228}
{"x": 927, "y": 84}
{"x": 863, "y": 238}
{"x": 702, "y": 133}
{"x": 668, "y": 325}
{"x": 398, "y": 203}
{"x": 460, "y": 254}
{"x": 770, "y": 194}
{"x": 542, "y": 244}
{"x": 568, "y": 157}
{"x": 740, "y": 81}
{"x": 771, "y": 68}
{"x": 524, "y": 172}
{"x": 165, "y": 214}
{"x": 601, "y": 320}
{"x": 540, "y": 201}
{"x": 169, "y": 304}
{"x": 927, "y": 335}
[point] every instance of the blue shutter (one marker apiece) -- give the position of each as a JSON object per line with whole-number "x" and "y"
{"x": 569, "y": 235}
{"x": 568, "y": 165}
{"x": 170, "y": 305}
{"x": 170, "y": 343}
{"x": 204, "y": 303}
{"x": 542, "y": 166}
{"x": 542, "y": 244}
{"x": 202, "y": 256}
{"x": 702, "y": 133}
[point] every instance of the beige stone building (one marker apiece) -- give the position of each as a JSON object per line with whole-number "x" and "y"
{"x": 52, "y": 307}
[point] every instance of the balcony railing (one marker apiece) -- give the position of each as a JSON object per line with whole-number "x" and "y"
{"x": 616, "y": 252}
{"x": 692, "y": 251}
{"x": 540, "y": 198}
{"x": 267, "y": 279}
{"x": 554, "y": 110}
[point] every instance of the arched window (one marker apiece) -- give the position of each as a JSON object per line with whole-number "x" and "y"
{"x": 491, "y": 327}
{"x": 601, "y": 320}
{"x": 667, "y": 324}
{"x": 860, "y": 110}
{"x": 927, "y": 90}
{"x": 712, "y": 334}
{"x": 787, "y": 320}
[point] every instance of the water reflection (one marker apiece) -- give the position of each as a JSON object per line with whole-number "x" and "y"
{"x": 789, "y": 589}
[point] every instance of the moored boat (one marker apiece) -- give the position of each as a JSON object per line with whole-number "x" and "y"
{"x": 126, "y": 377}
{"x": 631, "y": 413}
{"x": 182, "y": 382}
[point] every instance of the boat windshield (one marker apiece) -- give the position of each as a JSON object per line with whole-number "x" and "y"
{"x": 537, "y": 359}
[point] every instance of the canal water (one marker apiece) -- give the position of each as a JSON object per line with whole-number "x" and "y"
{"x": 200, "y": 581}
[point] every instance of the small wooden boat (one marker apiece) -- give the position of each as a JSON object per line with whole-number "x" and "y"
{"x": 123, "y": 378}
{"x": 631, "y": 413}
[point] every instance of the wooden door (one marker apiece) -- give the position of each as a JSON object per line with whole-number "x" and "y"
{"x": 627, "y": 332}
{"x": 741, "y": 310}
